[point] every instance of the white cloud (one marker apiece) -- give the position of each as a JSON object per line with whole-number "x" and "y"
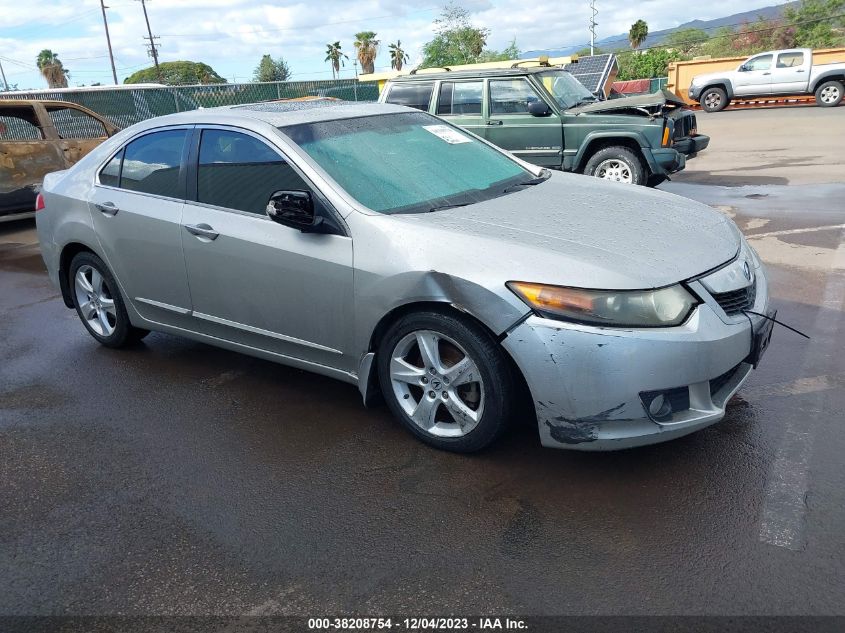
{"x": 231, "y": 35}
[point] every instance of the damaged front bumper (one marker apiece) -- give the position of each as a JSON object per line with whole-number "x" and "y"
{"x": 592, "y": 387}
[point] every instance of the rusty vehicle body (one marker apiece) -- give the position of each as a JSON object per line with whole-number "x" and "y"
{"x": 38, "y": 137}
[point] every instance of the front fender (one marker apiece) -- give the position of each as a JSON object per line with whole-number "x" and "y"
{"x": 380, "y": 300}
{"x": 583, "y": 153}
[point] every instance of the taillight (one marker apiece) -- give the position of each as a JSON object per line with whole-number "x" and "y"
{"x": 39, "y": 202}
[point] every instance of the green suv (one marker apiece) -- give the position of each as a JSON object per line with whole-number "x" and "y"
{"x": 547, "y": 117}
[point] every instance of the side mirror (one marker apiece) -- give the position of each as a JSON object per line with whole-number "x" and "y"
{"x": 295, "y": 209}
{"x": 743, "y": 69}
{"x": 539, "y": 108}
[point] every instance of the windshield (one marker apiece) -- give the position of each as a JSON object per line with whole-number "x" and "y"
{"x": 407, "y": 162}
{"x": 566, "y": 90}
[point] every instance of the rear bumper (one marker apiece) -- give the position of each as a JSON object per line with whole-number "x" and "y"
{"x": 592, "y": 386}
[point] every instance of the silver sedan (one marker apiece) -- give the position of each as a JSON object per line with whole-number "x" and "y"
{"x": 384, "y": 247}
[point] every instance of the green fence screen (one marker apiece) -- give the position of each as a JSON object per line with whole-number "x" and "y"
{"x": 126, "y": 105}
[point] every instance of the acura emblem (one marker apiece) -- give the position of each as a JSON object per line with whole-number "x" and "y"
{"x": 746, "y": 270}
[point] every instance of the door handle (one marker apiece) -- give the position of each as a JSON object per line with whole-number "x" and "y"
{"x": 107, "y": 208}
{"x": 495, "y": 122}
{"x": 800, "y": 71}
{"x": 767, "y": 73}
{"x": 202, "y": 230}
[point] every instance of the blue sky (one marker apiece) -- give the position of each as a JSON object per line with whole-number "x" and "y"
{"x": 231, "y": 35}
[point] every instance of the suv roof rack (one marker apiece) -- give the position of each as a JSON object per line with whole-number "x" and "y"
{"x": 446, "y": 68}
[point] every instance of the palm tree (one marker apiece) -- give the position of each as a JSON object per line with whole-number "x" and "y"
{"x": 398, "y": 57}
{"x": 336, "y": 57}
{"x": 367, "y": 46}
{"x": 638, "y": 33}
{"x": 52, "y": 69}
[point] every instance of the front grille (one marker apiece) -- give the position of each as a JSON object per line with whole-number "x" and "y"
{"x": 684, "y": 126}
{"x": 735, "y": 301}
{"x": 720, "y": 381}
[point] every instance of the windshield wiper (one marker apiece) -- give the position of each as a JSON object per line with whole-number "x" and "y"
{"x": 582, "y": 101}
{"x": 448, "y": 206}
{"x": 543, "y": 177}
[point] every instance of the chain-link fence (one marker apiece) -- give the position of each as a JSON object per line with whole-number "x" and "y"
{"x": 127, "y": 105}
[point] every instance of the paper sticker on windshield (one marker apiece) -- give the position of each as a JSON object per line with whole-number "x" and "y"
{"x": 447, "y": 134}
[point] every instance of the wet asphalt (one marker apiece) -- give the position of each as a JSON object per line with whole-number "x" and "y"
{"x": 176, "y": 478}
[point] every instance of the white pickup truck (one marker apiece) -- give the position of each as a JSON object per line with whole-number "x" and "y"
{"x": 786, "y": 72}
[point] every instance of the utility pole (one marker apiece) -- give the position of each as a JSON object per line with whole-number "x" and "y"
{"x": 3, "y": 73}
{"x": 108, "y": 41}
{"x": 153, "y": 52}
{"x": 593, "y": 25}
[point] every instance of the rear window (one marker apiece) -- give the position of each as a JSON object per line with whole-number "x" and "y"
{"x": 414, "y": 95}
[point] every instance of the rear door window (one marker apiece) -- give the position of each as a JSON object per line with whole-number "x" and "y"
{"x": 412, "y": 94}
{"x": 19, "y": 124}
{"x": 110, "y": 174}
{"x": 460, "y": 98}
{"x": 790, "y": 60}
{"x": 151, "y": 164}
{"x": 73, "y": 123}
{"x": 238, "y": 171}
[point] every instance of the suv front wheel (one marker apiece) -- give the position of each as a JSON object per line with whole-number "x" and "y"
{"x": 617, "y": 163}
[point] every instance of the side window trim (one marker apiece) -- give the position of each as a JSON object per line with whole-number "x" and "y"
{"x": 453, "y": 83}
{"x": 122, "y": 148}
{"x": 192, "y": 175}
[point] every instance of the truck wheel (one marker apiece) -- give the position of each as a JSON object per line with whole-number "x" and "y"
{"x": 830, "y": 94}
{"x": 714, "y": 99}
{"x": 616, "y": 163}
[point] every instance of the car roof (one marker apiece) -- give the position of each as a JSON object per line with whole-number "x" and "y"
{"x": 281, "y": 113}
{"x": 464, "y": 74}
{"x": 44, "y": 102}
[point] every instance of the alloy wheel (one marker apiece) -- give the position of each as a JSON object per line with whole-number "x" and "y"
{"x": 437, "y": 384}
{"x": 829, "y": 94}
{"x": 95, "y": 300}
{"x": 713, "y": 100}
{"x": 616, "y": 170}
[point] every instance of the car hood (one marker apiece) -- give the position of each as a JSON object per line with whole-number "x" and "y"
{"x": 576, "y": 231}
{"x": 705, "y": 77}
{"x": 657, "y": 100}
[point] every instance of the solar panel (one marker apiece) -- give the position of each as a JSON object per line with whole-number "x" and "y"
{"x": 594, "y": 71}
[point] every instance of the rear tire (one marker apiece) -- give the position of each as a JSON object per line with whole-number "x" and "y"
{"x": 616, "y": 163}
{"x": 830, "y": 93}
{"x": 99, "y": 304}
{"x": 447, "y": 380}
{"x": 714, "y": 100}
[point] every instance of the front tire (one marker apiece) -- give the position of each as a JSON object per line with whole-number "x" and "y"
{"x": 714, "y": 100}
{"x": 98, "y": 302}
{"x": 618, "y": 164}
{"x": 447, "y": 380}
{"x": 830, "y": 93}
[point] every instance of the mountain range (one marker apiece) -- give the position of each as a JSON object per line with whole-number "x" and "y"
{"x": 620, "y": 41}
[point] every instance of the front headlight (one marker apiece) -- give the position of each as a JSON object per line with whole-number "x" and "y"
{"x": 755, "y": 258}
{"x": 611, "y": 308}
